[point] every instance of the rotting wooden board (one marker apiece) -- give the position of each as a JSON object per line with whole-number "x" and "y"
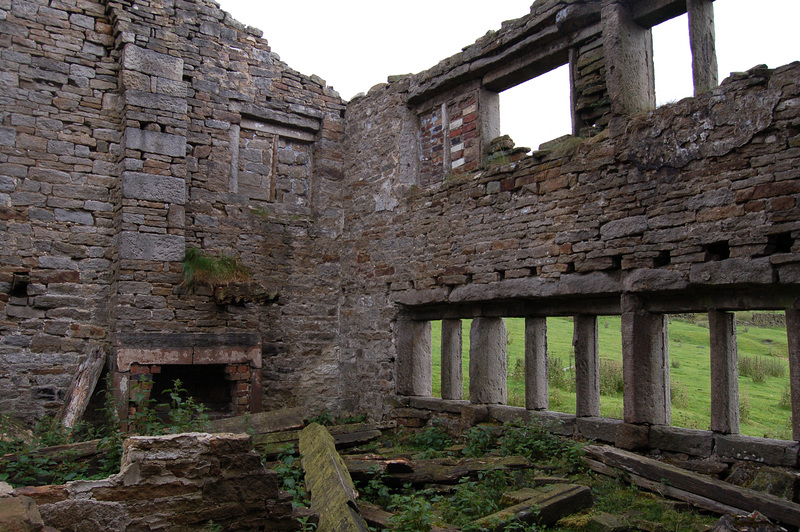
{"x": 261, "y": 423}
{"x": 270, "y": 445}
{"x": 332, "y": 492}
{"x": 548, "y": 506}
{"x": 436, "y": 471}
{"x": 676, "y": 478}
{"x": 662, "y": 489}
{"x": 82, "y": 387}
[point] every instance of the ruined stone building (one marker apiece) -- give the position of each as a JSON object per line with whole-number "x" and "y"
{"x": 132, "y": 131}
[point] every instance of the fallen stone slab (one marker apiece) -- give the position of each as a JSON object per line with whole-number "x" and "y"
{"x": 333, "y": 495}
{"x": 261, "y": 423}
{"x": 548, "y": 505}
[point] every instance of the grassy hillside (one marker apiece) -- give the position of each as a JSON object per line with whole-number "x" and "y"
{"x": 763, "y": 369}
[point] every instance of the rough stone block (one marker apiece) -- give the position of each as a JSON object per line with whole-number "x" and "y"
{"x": 767, "y": 451}
{"x": 155, "y": 142}
{"x": 152, "y": 63}
{"x": 156, "y": 102}
{"x": 435, "y": 404}
{"x": 632, "y": 437}
{"x": 149, "y": 187}
{"x": 680, "y": 440}
{"x": 127, "y": 356}
{"x": 8, "y": 135}
{"x": 149, "y": 246}
{"x": 598, "y": 428}
{"x": 732, "y": 271}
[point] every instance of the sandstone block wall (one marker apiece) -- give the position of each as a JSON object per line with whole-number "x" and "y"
{"x": 175, "y": 482}
{"x": 134, "y": 130}
{"x": 689, "y": 207}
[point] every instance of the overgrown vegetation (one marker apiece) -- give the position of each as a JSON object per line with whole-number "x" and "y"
{"x": 474, "y": 497}
{"x": 477, "y": 496}
{"x": 201, "y": 269}
{"x": 31, "y": 465}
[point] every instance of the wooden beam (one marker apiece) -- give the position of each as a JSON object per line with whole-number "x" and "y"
{"x": 696, "y": 484}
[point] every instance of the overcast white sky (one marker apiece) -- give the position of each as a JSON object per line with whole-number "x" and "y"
{"x": 355, "y": 44}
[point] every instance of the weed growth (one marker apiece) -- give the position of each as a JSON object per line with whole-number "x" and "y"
{"x": 200, "y": 269}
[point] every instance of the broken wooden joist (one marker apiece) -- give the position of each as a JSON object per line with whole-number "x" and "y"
{"x": 82, "y": 387}
{"x": 435, "y": 471}
{"x": 345, "y": 436}
{"x": 694, "y": 488}
{"x": 261, "y": 423}
{"x": 545, "y": 507}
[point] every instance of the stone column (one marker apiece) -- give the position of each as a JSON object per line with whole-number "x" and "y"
{"x": 487, "y": 361}
{"x": 645, "y": 364}
{"x": 414, "y": 358}
{"x": 489, "y": 115}
{"x": 628, "y": 50}
{"x": 452, "y": 373}
{"x": 703, "y": 44}
{"x": 587, "y": 366}
{"x": 536, "y": 389}
{"x": 724, "y": 373}
{"x": 793, "y": 334}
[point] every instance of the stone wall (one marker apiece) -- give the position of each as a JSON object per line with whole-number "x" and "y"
{"x": 132, "y": 131}
{"x": 691, "y": 207}
{"x": 59, "y": 142}
{"x": 175, "y": 482}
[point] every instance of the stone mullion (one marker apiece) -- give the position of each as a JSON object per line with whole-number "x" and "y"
{"x": 793, "y": 336}
{"x": 645, "y": 364}
{"x": 705, "y": 71}
{"x": 724, "y": 374}
{"x": 587, "y": 366}
{"x": 487, "y": 361}
{"x": 536, "y": 384}
{"x": 452, "y": 373}
{"x": 414, "y": 370}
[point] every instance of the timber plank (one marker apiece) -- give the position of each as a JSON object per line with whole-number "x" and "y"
{"x": 261, "y": 423}
{"x": 676, "y": 478}
{"x": 82, "y": 387}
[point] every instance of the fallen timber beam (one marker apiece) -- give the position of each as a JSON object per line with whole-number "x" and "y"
{"x": 345, "y": 436}
{"x": 261, "y": 423}
{"x": 694, "y": 488}
{"x": 547, "y": 507}
{"x": 436, "y": 471}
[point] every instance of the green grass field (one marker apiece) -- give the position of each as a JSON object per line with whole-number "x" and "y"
{"x": 764, "y": 401}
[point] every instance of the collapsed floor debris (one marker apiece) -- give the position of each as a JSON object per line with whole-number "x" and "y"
{"x": 193, "y": 481}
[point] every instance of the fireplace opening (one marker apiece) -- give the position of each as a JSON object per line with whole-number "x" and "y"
{"x": 205, "y": 383}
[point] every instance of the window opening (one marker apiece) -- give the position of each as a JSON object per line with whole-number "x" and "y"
{"x": 690, "y": 371}
{"x": 672, "y": 58}
{"x": 538, "y": 110}
{"x": 561, "y": 364}
{"x": 765, "y": 408}
{"x": 609, "y": 340}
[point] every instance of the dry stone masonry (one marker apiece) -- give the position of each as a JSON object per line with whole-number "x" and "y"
{"x": 132, "y": 131}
